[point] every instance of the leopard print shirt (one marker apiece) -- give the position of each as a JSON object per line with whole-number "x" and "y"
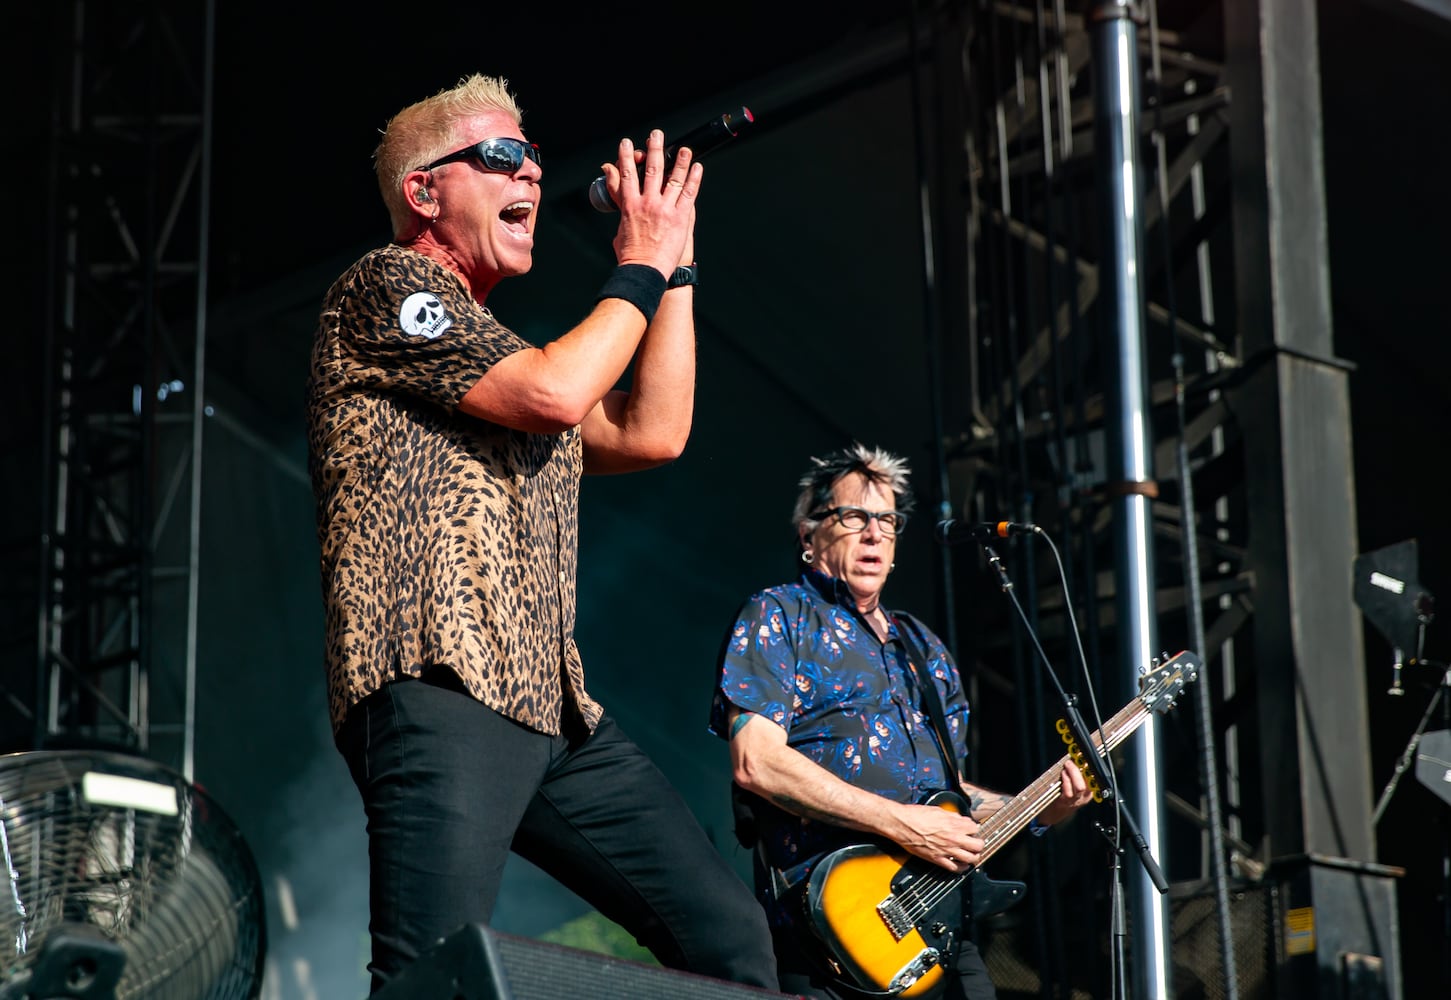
{"x": 445, "y": 539}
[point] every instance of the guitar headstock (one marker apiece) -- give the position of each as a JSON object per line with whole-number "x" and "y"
{"x": 1164, "y": 679}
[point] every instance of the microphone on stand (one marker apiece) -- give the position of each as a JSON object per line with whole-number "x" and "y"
{"x": 951, "y": 531}
{"x": 701, "y": 140}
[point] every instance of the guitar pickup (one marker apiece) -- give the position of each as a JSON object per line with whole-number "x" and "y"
{"x": 914, "y": 970}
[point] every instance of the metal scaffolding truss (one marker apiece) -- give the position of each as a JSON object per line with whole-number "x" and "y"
{"x": 1035, "y": 425}
{"x": 125, "y": 336}
{"x": 1229, "y": 379}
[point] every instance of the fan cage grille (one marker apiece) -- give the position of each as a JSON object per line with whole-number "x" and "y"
{"x": 180, "y": 894}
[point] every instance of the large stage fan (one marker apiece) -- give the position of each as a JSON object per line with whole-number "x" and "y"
{"x": 121, "y": 880}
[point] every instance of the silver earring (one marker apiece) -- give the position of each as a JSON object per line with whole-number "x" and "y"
{"x": 807, "y": 557}
{"x": 891, "y": 567}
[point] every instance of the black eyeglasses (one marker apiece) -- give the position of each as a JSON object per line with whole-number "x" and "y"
{"x": 502, "y": 155}
{"x": 856, "y": 518}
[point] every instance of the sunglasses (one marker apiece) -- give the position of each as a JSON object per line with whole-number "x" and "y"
{"x": 502, "y": 155}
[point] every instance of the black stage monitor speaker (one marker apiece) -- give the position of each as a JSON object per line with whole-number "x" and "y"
{"x": 476, "y": 963}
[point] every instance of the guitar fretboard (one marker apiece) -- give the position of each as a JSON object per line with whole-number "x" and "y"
{"x": 1156, "y": 694}
{"x": 1003, "y": 825}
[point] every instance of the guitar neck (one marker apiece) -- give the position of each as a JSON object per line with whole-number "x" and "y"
{"x": 1003, "y": 825}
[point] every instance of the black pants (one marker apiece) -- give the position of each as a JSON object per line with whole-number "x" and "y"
{"x": 450, "y": 787}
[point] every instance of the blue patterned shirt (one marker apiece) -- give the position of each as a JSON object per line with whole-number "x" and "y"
{"x": 802, "y": 656}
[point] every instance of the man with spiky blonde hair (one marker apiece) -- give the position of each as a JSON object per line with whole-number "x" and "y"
{"x": 446, "y": 453}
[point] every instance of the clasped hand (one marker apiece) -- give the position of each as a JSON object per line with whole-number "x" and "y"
{"x": 657, "y": 207}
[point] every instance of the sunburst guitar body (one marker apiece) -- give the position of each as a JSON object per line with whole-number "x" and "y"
{"x": 888, "y": 921}
{"x": 892, "y": 917}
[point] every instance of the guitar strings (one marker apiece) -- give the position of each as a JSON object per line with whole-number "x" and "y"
{"x": 918, "y": 900}
{"x": 1007, "y": 823}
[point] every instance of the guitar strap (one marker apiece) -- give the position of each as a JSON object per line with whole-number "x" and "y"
{"x": 931, "y": 700}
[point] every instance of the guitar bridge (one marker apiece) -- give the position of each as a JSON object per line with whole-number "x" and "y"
{"x": 896, "y": 918}
{"x": 914, "y": 970}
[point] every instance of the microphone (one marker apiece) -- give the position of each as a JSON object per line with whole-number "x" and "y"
{"x": 716, "y": 132}
{"x": 952, "y": 531}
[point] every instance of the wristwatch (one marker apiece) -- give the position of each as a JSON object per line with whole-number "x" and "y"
{"x": 686, "y": 275}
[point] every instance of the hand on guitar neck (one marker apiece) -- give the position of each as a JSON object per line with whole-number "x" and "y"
{"x": 953, "y": 840}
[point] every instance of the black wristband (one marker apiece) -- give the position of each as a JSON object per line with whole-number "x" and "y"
{"x": 638, "y": 284}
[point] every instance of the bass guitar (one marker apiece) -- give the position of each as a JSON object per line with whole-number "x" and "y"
{"x": 886, "y": 920}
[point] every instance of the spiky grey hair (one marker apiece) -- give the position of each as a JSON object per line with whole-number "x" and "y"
{"x": 876, "y": 464}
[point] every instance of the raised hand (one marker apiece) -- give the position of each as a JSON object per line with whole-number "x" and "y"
{"x": 657, "y": 208}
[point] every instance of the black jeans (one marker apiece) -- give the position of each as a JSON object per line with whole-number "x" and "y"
{"x": 450, "y": 787}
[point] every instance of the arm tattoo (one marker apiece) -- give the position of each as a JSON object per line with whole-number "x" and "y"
{"x": 794, "y": 805}
{"x": 977, "y": 800}
{"x": 740, "y": 722}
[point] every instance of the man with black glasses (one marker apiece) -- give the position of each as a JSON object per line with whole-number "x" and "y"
{"x": 446, "y": 454}
{"x": 847, "y": 725}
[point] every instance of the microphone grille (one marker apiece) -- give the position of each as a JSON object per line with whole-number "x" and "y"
{"x": 599, "y": 196}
